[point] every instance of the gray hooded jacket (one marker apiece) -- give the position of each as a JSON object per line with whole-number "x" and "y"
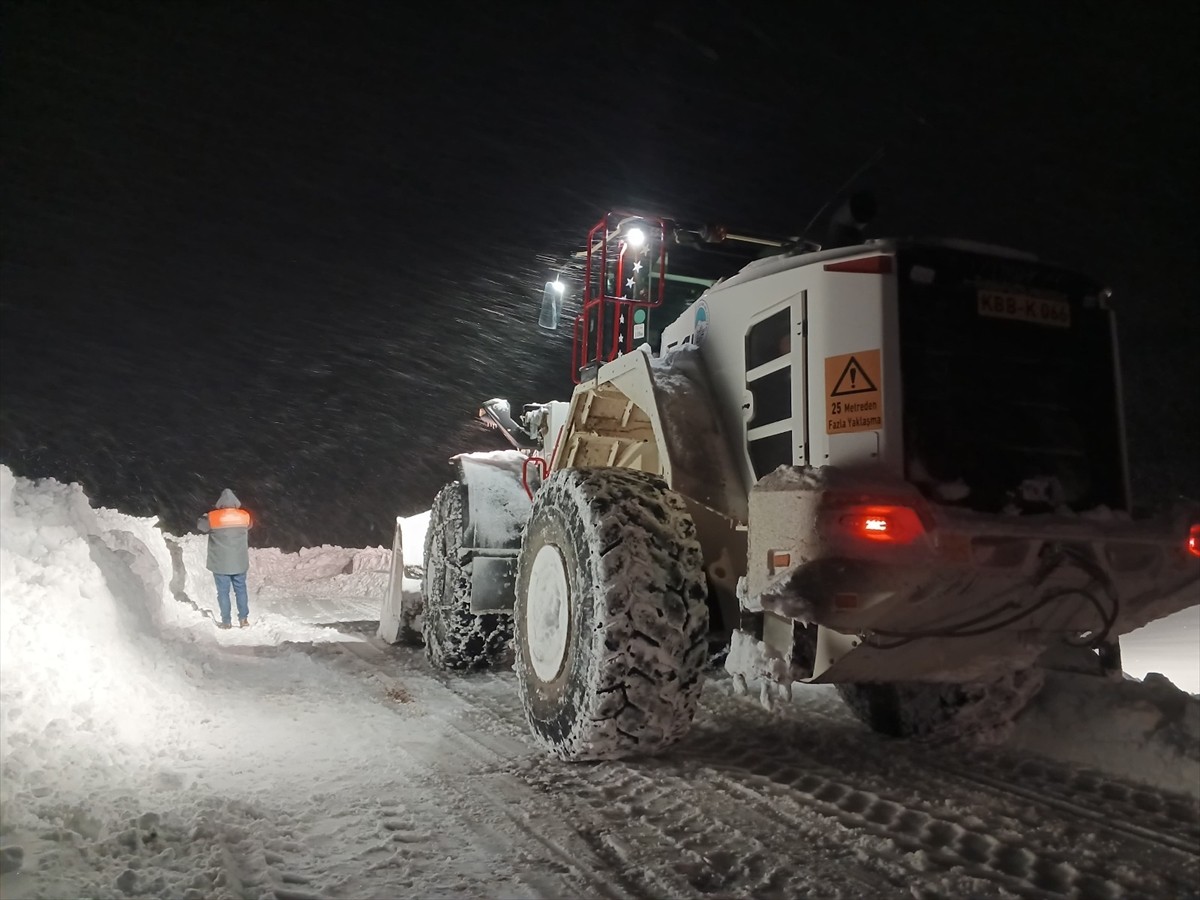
{"x": 227, "y": 527}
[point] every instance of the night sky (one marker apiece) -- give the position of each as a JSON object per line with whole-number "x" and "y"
{"x": 287, "y": 248}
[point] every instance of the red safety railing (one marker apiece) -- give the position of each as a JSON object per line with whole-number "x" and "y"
{"x": 604, "y": 327}
{"x": 543, "y": 472}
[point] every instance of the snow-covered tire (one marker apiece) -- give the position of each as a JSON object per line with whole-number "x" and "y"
{"x": 611, "y": 615}
{"x": 934, "y": 712}
{"x": 455, "y": 637}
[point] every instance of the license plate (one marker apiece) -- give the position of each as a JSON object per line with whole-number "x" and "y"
{"x": 1024, "y": 308}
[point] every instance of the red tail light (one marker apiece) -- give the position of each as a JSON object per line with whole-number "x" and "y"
{"x": 1193, "y": 540}
{"x": 890, "y": 524}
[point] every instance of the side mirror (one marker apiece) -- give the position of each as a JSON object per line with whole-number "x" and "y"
{"x": 552, "y": 298}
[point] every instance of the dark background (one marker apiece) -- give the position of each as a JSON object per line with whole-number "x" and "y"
{"x": 287, "y": 248}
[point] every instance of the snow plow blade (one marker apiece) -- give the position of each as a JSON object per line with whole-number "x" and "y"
{"x": 403, "y": 606}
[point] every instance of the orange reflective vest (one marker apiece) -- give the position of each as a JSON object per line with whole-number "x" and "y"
{"x": 228, "y": 518}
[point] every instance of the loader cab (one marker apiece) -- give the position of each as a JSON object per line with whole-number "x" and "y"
{"x": 678, "y": 293}
{"x": 983, "y": 377}
{"x": 638, "y": 273}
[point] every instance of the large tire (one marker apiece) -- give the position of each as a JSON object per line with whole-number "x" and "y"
{"x": 611, "y": 615}
{"x": 981, "y": 711}
{"x": 455, "y": 637}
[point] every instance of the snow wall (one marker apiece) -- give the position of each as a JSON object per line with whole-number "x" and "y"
{"x": 106, "y": 641}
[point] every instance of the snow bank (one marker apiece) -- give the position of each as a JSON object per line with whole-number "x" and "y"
{"x": 1147, "y": 731}
{"x": 345, "y": 571}
{"x": 1169, "y": 646}
{"x": 292, "y": 595}
{"x": 98, "y": 656}
{"x": 85, "y": 601}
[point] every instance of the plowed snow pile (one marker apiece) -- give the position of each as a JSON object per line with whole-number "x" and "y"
{"x": 84, "y": 671}
{"x": 1144, "y": 731}
{"x": 146, "y": 753}
{"x": 117, "y": 704}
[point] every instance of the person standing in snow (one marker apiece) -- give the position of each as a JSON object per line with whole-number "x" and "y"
{"x": 228, "y": 528}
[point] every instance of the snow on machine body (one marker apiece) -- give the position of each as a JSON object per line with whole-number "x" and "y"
{"x": 897, "y": 466}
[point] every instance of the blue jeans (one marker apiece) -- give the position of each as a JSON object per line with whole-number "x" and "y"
{"x": 239, "y": 589}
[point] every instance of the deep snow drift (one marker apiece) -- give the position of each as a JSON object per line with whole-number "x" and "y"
{"x": 113, "y": 692}
{"x": 146, "y": 753}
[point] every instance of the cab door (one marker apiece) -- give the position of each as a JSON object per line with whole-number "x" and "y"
{"x": 774, "y": 409}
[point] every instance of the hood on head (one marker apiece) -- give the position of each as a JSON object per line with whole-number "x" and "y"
{"x": 228, "y": 500}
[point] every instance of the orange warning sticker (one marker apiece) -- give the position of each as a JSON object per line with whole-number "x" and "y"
{"x": 853, "y": 392}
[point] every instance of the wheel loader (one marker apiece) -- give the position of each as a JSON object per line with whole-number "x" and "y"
{"x": 893, "y": 465}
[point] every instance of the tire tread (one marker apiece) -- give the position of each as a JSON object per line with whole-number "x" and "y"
{"x": 455, "y": 637}
{"x": 645, "y": 673}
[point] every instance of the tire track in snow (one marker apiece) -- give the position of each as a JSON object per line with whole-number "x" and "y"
{"x": 480, "y": 753}
{"x": 672, "y": 848}
{"x": 1173, "y": 821}
{"x": 1123, "y": 810}
{"x": 508, "y": 799}
{"x": 1166, "y": 814}
{"x": 1113, "y": 820}
{"x": 1095, "y": 850}
{"x": 384, "y": 845}
{"x": 713, "y": 826}
{"x": 658, "y": 819}
{"x": 245, "y": 842}
{"x": 1169, "y": 820}
{"x": 658, "y": 841}
{"x": 627, "y": 832}
{"x": 947, "y": 842}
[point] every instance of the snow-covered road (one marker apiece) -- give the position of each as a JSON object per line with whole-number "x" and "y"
{"x": 349, "y": 770}
{"x": 303, "y": 758}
